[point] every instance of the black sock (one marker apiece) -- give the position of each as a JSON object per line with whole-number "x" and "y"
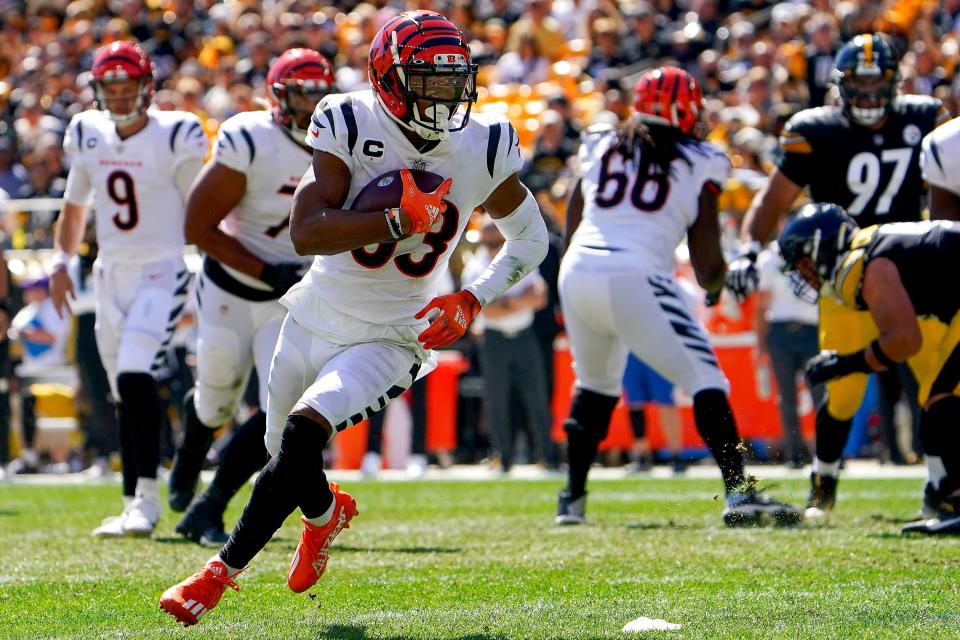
{"x": 141, "y": 407}
{"x": 375, "y": 431}
{"x": 194, "y": 444}
{"x": 943, "y": 436}
{"x": 293, "y": 476}
{"x": 586, "y": 427}
{"x": 128, "y": 450}
{"x": 638, "y": 422}
{"x": 831, "y": 435}
{"x": 718, "y": 428}
{"x": 243, "y": 456}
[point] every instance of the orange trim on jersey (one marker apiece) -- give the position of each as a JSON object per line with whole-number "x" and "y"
{"x": 796, "y": 146}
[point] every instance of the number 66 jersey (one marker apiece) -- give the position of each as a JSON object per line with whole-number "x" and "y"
{"x": 633, "y": 216}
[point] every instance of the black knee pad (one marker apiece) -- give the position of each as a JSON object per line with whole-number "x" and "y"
{"x": 710, "y": 402}
{"x": 302, "y": 442}
{"x": 137, "y": 389}
{"x": 590, "y": 414}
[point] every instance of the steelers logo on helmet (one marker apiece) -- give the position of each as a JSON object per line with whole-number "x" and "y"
{"x": 421, "y": 73}
{"x": 122, "y": 81}
{"x": 866, "y": 74}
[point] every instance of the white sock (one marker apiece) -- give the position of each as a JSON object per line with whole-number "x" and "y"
{"x": 327, "y": 515}
{"x": 935, "y": 471}
{"x": 831, "y": 469}
{"x": 147, "y": 489}
{"x": 127, "y": 501}
{"x": 230, "y": 570}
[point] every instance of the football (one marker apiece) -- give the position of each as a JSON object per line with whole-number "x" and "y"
{"x": 384, "y": 191}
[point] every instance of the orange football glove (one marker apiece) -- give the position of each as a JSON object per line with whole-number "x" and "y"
{"x": 422, "y": 208}
{"x": 457, "y": 311}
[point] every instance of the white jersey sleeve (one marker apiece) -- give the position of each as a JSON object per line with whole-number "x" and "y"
{"x": 79, "y": 190}
{"x": 711, "y": 166}
{"x": 333, "y": 129}
{"x": 940, "y": 157}
{"x": 234, "y": 147}
{"x": 188, "y": 141}
{"x": 503, "y": 158}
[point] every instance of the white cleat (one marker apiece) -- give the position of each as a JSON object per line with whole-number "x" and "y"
{"x": 111, "y": 527}
{"x": 815, "y": 515}
{"x": 417, "y": 466}
{"x": 142, "y": 518}
{"x": 370, "y": 465}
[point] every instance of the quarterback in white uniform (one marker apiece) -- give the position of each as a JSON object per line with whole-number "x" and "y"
{"x": 363, "y": 323}
{"x": 134, "y": 167}
{"x": 238, "y": 214}
{"x": 644, "y": 186}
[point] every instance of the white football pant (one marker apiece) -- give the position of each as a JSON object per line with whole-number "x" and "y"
{"x": 138, "y": 306}
{"x": 344, "y": 383}
{"x": 232, "y": 334}
{"x": 608, "y": 314}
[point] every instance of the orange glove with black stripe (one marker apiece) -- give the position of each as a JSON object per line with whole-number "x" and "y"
{"x": 422, "y": 208}
{"x": 457, "y": 311}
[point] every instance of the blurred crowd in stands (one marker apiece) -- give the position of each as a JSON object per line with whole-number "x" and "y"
{"x": 551, "y": 66}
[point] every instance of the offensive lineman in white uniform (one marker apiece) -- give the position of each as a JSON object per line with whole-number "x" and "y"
{"x": 644, "y": 186}
{"x": 238, "y": 213}
{"x": 363, "y": 323}
{"x": 134, "y": 167}
{"x": 940, "y": 162}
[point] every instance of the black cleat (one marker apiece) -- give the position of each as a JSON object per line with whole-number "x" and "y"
{"x": 753, "y": 509}
{"x": 930, "y": 506}
{"x": 571, "y": 510}
{"x": 823, "y": 495}
{"x": 203, "y": 524}
{"x": 945, "y": 522}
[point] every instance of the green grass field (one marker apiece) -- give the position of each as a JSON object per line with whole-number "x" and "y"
{"x": 482, "y": 560}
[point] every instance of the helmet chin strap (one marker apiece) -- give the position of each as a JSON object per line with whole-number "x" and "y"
{"x": 440, "y": 115}
{"x": 123, "y": 119}
{"x": 868, "y": 117}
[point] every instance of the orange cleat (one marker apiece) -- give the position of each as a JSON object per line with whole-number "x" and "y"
{"x": 310, "y": 560}
{"x": 198, "y": 594}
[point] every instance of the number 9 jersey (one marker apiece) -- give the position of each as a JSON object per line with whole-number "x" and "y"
{"x": 634, "y": 215}
{"x": 872, "y": 173}
{"x": 131, "y": 182}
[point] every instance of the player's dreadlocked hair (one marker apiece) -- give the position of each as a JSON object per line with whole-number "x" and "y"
{"x": 658, "y": 144}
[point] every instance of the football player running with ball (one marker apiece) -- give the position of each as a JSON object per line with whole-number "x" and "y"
{"x": 864, "y": 156}
{"x": 134, "y": 167}
{"x": 238, "y": 214}
{"x": 644, "y": 186}
{"x": 363, "y": 323}
{"x": 886, "y": 272}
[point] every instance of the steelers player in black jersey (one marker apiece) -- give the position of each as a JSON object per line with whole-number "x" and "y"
{"x": 893, "y": 274}
{"x": 863, "y": 155}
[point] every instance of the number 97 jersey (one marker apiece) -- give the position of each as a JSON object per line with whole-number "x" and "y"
{"x": 633, "y": 213}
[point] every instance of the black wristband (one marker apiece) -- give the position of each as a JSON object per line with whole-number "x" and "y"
{"x": 881, "y": 355}
{"x": 854, "y": 363}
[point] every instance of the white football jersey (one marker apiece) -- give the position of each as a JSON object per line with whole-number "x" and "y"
{"x": 387, "y": 284}
{"x": 940, "y": 159}
{"x": 253, "y": 144}
{"x": 138, "y": 209}
{"x": 631, "y": 215}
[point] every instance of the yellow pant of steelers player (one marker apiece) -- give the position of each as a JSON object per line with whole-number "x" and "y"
{"x": 845, "y": 330}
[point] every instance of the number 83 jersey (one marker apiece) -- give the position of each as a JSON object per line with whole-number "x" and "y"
{"x": 139, "y": 211}
{"x": 873, "y": 173}
{"x": 634, "y": 216}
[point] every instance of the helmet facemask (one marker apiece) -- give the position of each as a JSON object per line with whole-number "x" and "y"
{"x": 867, "y": 99}
{"x": 140, "y": 100}
{"x": 434, "y": 92}
{"x": 297, "y": 100}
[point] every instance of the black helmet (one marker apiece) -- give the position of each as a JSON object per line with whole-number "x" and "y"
{"x": 866, "y": 71}
{"x": 822, "y": 232}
